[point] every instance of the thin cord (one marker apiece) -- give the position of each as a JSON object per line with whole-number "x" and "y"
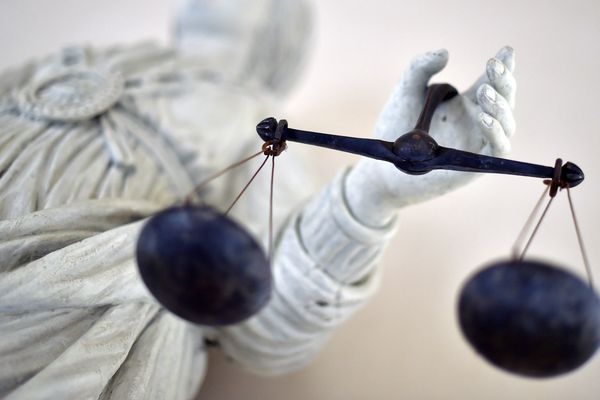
{"x": 586, "y": 261}
{"x": 271, "y": 211}
{"x": 246, "y": 187}
{"x": 528, "y": 223}
{"x": 195, "y": 191}
{"x": 536, "y": 228}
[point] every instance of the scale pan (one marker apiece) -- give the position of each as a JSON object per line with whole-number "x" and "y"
{"x": 530, "y": 318}
{"x": 203, "y": 266}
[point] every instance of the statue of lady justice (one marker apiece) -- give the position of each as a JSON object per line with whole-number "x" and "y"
{"x": 93, "y": 141}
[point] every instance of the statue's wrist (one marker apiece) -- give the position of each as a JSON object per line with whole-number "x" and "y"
{"x": 335, "y": 240}
{"x": 366, "y": 198}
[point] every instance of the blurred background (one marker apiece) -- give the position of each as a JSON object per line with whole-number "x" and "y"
{"x": 405, "y": 344}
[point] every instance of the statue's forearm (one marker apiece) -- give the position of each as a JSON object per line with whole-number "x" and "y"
{"x": 324, "y": 270}
{"x": 75, "y": 256}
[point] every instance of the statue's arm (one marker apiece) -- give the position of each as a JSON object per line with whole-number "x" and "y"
{"x": 73, "y": 256}
{"x": 325, "y": 264}
{"x": 324, "y": 270}
{"x": 76, "y": 319}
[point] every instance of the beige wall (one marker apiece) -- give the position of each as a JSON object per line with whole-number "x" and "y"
{"x": 405, "y": 344}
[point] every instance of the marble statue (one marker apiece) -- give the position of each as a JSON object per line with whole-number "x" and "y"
{"x": 93, "y": 141}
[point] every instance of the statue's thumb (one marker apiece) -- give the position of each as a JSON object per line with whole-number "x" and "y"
{"x": 421, "y": 69}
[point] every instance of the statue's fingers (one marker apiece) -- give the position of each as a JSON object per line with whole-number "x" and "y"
{"x": 471, "y": 93}
{"x": 492, "y": 103}
{"x": 502, "y": 80}
{"x": 507, "y": 56}
{"x": 497, "y": 142}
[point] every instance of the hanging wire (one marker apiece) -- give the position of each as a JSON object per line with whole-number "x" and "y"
{"x": 537, "y": 226}
{"x": 246, "y": 187}
{"x": 271, "y": 149}
{"x": 270, "y": 253}
{"x": 586, "y": 261}
{"x": 554, "y": 184}
{"x": 201, "y": 185}
{"x": 521, "y": 238}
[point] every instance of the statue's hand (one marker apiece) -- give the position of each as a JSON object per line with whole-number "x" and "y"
{"x": 479, "y": 120}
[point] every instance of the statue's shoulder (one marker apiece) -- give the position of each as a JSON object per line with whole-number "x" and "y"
{"x": 78, "y": 123}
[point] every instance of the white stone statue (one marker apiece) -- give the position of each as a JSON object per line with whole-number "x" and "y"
{"x": 93, "y": 141}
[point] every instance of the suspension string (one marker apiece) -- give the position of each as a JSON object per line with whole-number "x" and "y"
{"x": 270, "y": 253}
{"x": 586, "y": 261}
{"x": 516, "y": 249}
{"x": 537, "y": 226}
{"x": 201, "y": 185}
{"x": 246, "y": 187}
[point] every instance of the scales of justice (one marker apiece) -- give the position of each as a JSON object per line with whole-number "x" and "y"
{"x": 125, "y": 305}
{"x": 528, "y": 317}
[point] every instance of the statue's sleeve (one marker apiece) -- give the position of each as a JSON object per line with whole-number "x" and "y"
{"x": 324, "y": 269}
{"x": 76, "y": 321}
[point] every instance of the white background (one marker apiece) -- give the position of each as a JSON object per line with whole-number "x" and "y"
{"x": 405, "y": 344}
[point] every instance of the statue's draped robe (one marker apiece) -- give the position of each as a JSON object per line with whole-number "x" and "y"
{"x": 79, "y": 174}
